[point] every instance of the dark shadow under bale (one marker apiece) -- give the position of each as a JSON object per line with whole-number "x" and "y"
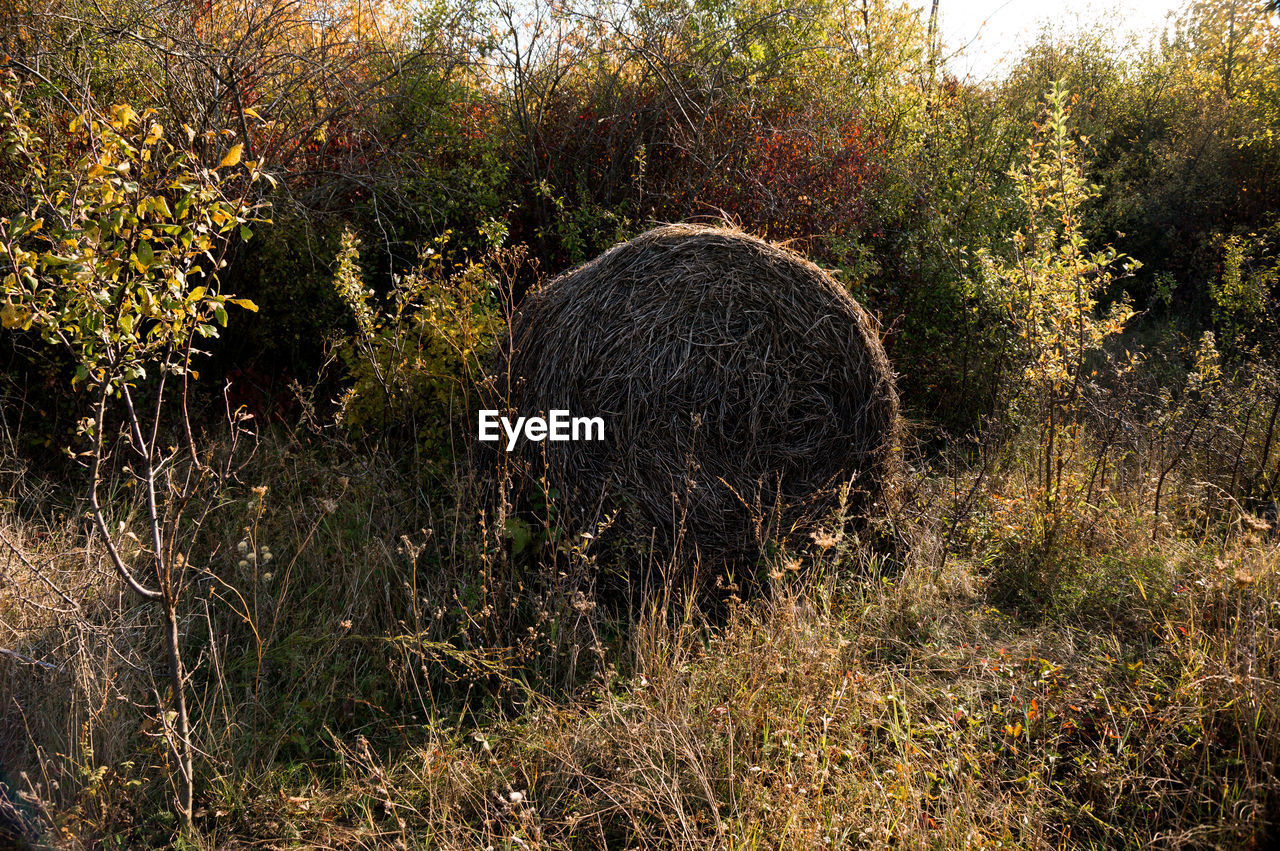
{"x": 742, "y": 390}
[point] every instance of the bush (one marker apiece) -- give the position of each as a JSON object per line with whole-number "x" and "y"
{"x": 414, "y": 365}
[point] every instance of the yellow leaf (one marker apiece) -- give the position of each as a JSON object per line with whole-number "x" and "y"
{"x": 13, "y": 316}
{"x": 233, "y": 156}
{"x": 122, "y": 115}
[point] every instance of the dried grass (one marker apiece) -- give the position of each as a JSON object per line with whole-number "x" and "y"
{"x": 738, "y": 381}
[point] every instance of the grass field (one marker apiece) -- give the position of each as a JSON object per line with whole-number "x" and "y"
{"x": 363, "y": 687}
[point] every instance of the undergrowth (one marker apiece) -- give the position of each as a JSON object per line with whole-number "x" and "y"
{"x": 376, "y": 666}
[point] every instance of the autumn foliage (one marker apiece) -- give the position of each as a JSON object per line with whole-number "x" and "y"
{"x": 258, "y": 259}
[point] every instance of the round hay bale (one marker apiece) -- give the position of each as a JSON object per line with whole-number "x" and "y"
{"x": 738, "y": 382}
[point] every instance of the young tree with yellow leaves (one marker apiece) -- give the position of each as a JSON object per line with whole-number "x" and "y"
{"x": 114, "y": 258}
{"x": 1048, "y": 291}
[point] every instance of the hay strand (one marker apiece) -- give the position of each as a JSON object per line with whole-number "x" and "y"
{"x": 735, "y": 378}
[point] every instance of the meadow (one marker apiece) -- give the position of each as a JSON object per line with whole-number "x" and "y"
{"x": 261, "y": 587}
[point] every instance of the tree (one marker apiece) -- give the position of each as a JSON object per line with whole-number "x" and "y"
{"x": 1048, "y": 292}
{"x": 115, "y": 258}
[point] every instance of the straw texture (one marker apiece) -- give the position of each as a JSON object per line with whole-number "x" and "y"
{"x": 737, "y": 381}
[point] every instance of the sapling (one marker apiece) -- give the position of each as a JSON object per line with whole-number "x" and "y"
{"x": 115, "y": 257}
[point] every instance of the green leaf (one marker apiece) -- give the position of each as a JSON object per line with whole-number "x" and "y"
{"x": 517, "y": 531}
{"x": 145, "y": 255}
{"x": 247, "y": 304}
{"x": 220, "y": 313}
{"x": 245, "y": 233}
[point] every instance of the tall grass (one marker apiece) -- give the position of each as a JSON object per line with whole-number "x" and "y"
{"x": 386, "y": 660}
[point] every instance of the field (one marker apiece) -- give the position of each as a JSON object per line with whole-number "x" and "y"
{"x": 261, "y": 587}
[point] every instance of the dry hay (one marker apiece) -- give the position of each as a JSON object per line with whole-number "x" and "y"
{"x": 735, "y": 378}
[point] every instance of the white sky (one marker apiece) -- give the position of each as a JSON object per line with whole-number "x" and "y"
{"x": 996, "y": 31}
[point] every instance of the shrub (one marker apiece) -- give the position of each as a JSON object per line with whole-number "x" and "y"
{"x": 414, "y": 364}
